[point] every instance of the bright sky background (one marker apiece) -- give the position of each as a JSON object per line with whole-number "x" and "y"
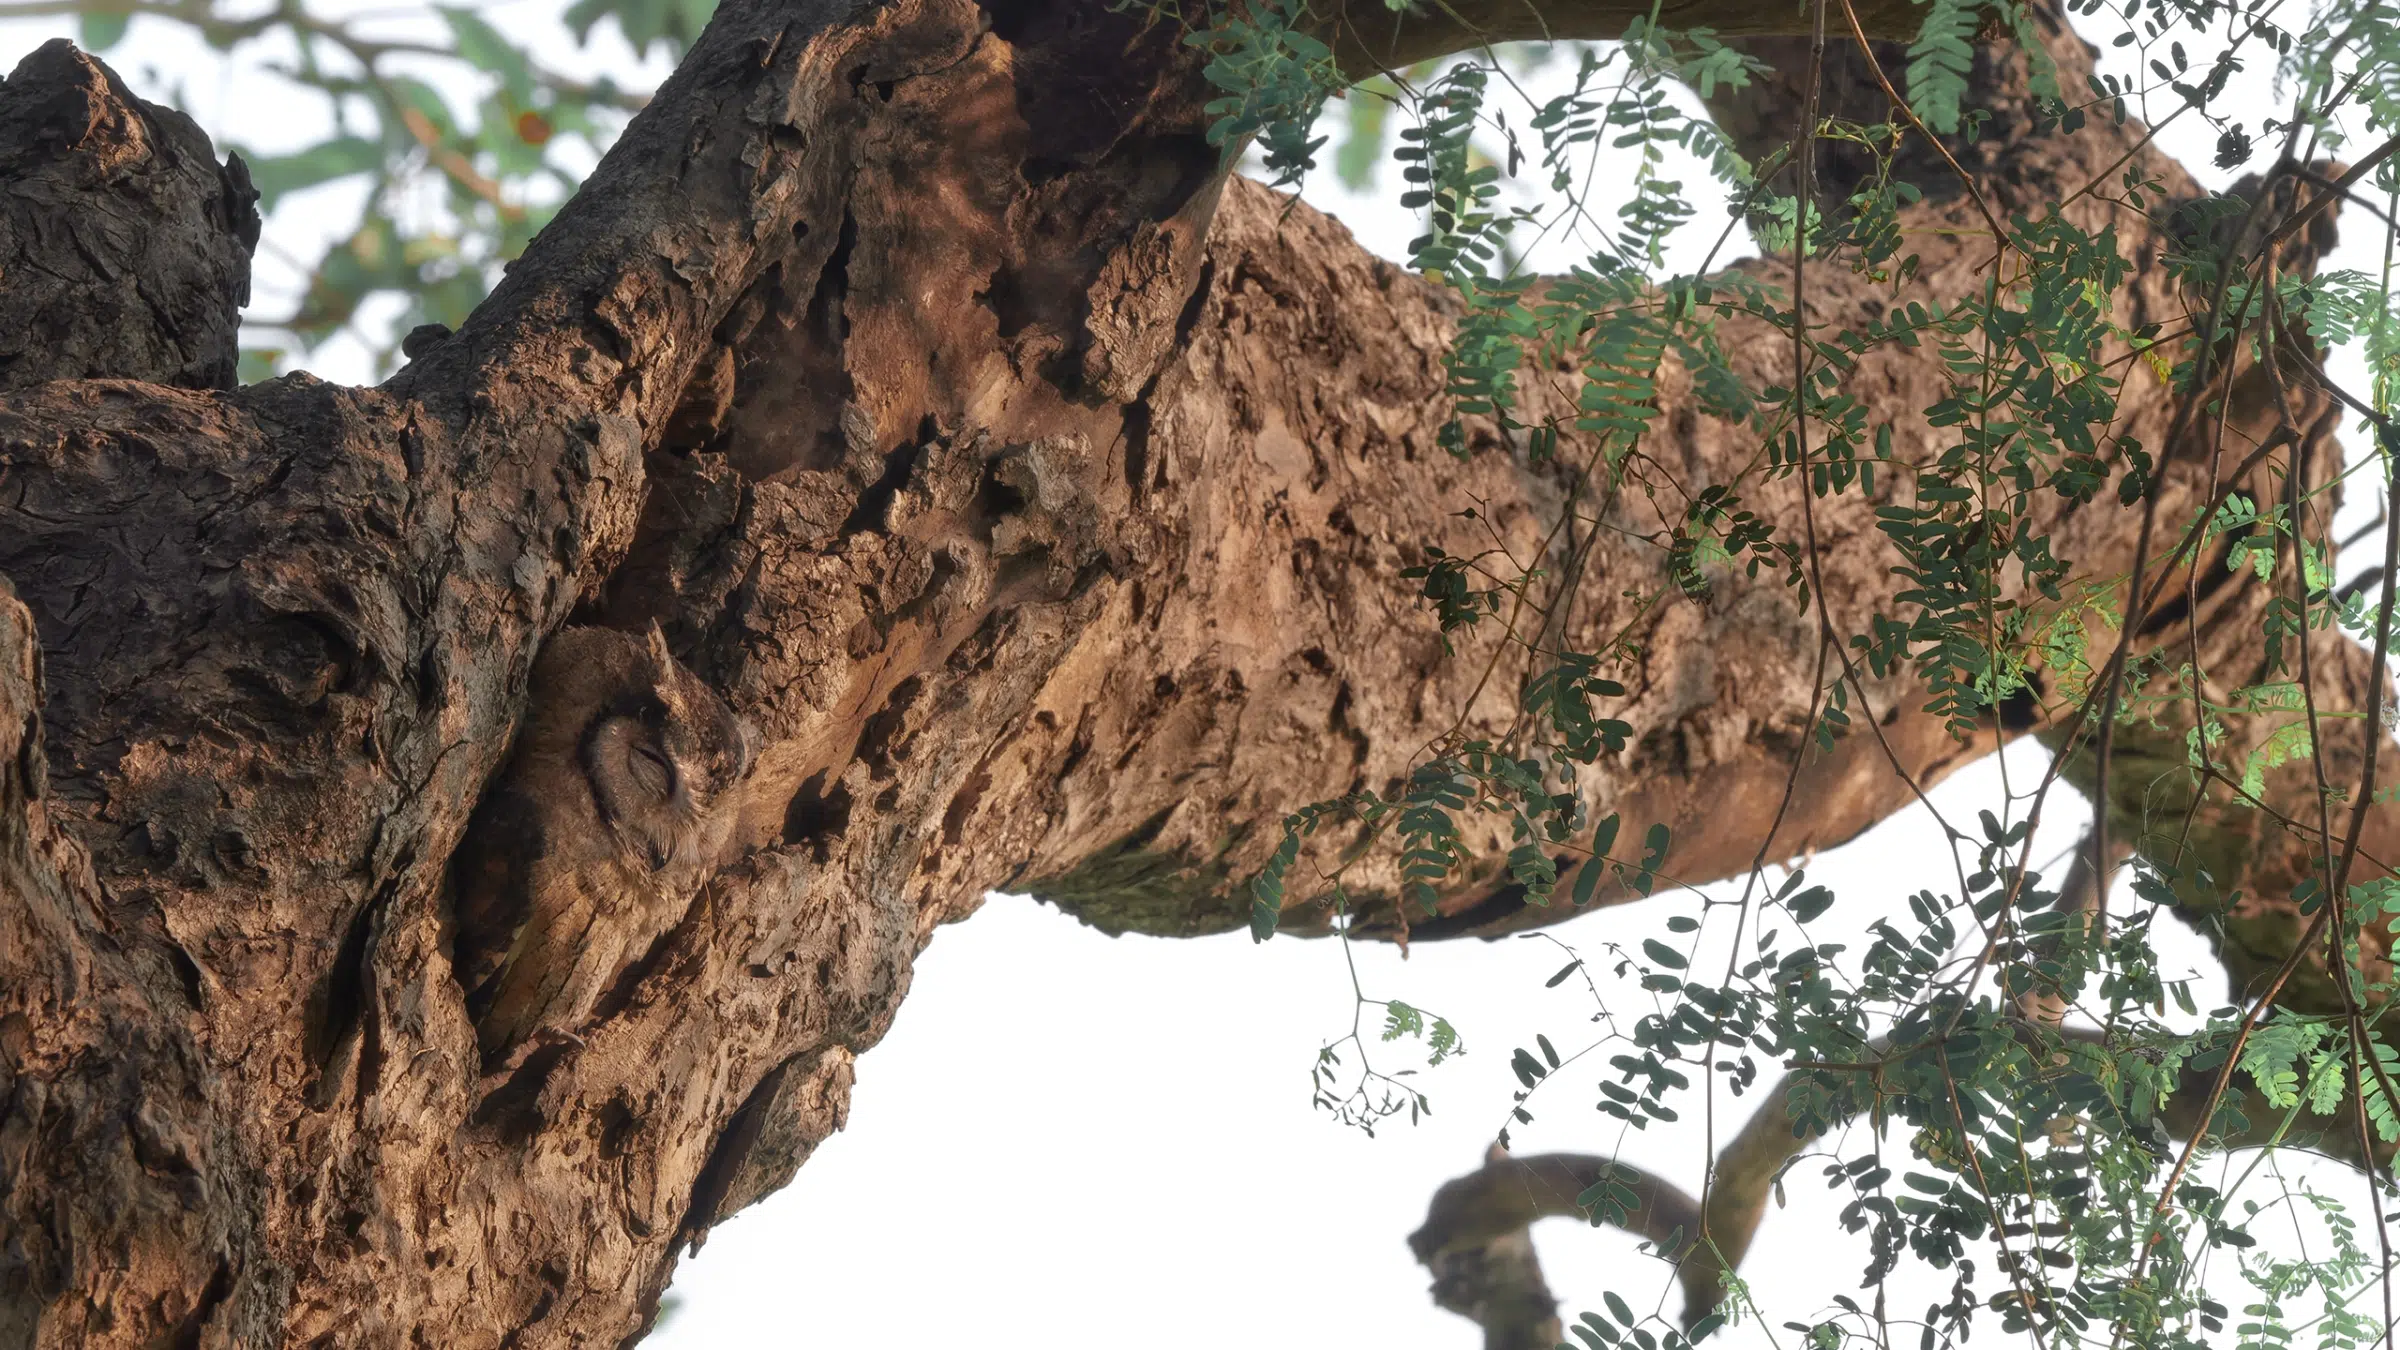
{"x": 1083, "y": 1142}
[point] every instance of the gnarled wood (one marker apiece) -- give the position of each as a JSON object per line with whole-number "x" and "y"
{"x": 1037, "y": 492}
{"x": 124, "y": 246}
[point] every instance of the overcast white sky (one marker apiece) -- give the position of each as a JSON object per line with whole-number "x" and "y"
{"x": 1079, "y": 1142}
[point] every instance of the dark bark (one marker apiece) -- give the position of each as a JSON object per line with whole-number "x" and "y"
{"x": 124, "y": 246}
{"x": 1036, "y": 492}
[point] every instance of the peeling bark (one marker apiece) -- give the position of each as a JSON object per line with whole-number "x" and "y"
{"x": 1036, "y": 491}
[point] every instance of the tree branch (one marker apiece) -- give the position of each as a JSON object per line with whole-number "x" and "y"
{"x": 1493, "y": 1208}
{"x": 1369, "y": 37}
{"x": 1039, "y": 495}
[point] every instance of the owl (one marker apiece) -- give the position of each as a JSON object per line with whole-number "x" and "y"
{"x": 616, "y": 806}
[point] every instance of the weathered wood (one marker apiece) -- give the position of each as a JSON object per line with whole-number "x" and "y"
{"x": 124, "y": 245}
{"x": 1037, "y": 492}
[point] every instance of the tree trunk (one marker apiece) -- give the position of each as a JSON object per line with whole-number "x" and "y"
{"x": 1036, "y": 493}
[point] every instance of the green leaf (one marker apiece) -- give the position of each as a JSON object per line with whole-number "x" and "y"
{"x": 486, "y": 48}
{"x": 1276, "y": 78}
{"x": 1938, "y": 63}
{"x": 275, "y": 175}
{"x": 1264, "y": 916}
{"x": 2286, "y": 744}
{"x": 1663, "y": 954}
{"x": 1587, "y": 881}
{"x": 1594, "y": 868}
{"x": 1266, "y": 889}
{"x": 1617, "y": 1308}
{"x": 1604, "y": 839}
{"x": 1654, "y": 855}
{"x": 100, "y": 29}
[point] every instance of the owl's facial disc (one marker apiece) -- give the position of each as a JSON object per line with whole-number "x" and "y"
{"x": 638, "y": 784}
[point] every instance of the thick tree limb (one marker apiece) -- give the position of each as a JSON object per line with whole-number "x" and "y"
{"x": 1475, "y": 1238}
{"x": 287, "y": 630}
{"x": 1037, "y": 493}
{"x": 1369, "y": 36}
{"x": 1722, "y": 692}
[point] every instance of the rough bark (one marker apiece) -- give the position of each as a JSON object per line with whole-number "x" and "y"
{"x": 124, "y": 246}
{"x": 2237, "y": 860}
{"x": 1038, "y": 494}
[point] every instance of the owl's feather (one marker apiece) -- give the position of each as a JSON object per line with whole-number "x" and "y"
{"x": 614, "y": 809}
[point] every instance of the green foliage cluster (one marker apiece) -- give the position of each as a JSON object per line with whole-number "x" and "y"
{"x": 1991, "y": 1131}
{"x": 1276, "y": 77}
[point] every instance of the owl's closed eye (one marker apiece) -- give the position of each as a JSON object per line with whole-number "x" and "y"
{"x": 654, "y": 772}
{"x": 617, "y": 804}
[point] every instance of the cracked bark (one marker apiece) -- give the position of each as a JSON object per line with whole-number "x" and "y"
{"x": 1039, "y": 494}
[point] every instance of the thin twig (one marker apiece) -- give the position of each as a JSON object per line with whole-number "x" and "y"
{"x": 1867, "y": 51}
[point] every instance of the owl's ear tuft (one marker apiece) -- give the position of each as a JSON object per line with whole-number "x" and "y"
{"x": 662, "y": 661}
